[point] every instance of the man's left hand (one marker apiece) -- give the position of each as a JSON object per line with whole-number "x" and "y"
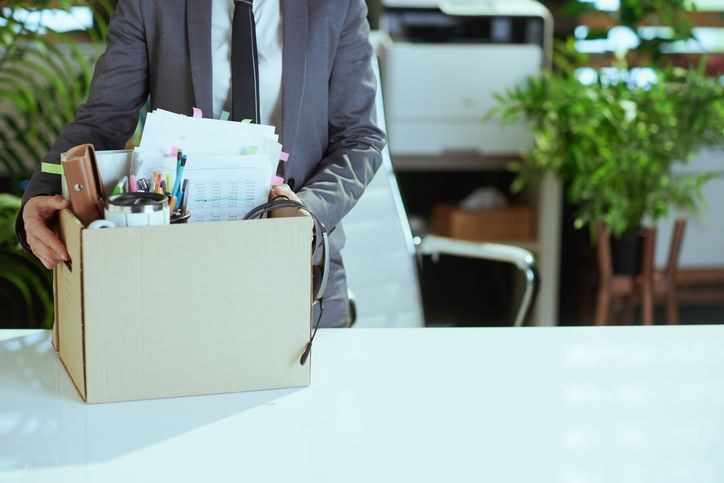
{"x": 286, "y": 191}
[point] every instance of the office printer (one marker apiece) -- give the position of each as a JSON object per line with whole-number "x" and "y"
{"x": 442, "y": 61}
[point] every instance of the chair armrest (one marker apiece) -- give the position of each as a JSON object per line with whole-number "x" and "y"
{"x": 521, "y": 258}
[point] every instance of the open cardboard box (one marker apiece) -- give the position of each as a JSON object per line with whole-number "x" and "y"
{"x": 183, "y": 310}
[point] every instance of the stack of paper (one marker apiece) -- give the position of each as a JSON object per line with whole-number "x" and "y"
{"x": 230, "y": 164}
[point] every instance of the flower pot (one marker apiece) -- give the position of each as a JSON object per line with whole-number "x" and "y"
{"x": 627, "y": 253}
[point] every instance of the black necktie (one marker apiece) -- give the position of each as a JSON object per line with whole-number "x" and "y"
{"x": 244, "y": 64}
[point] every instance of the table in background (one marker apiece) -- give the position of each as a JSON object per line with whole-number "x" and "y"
{"x": 569, "y": 405}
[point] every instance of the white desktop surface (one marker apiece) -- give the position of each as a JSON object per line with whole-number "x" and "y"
{"x": 531, "y": 405}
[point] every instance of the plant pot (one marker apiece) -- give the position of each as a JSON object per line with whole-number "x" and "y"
{"x": 627, "y": 253}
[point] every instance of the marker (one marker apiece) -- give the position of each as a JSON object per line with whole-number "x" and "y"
{"x": 132, "y": 184}
{"x": 163, "y": 186}
{"x": 159, "y": 183}
{"x": 120, "y": 187}
{"x": 168, "y": 183}
{"x": 172, "y": 204}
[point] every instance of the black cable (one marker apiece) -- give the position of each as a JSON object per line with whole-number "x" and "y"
{"x": 305, "y": 355}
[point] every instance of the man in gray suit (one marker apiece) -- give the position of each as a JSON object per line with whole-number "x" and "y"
{"x": 163, "y": 48}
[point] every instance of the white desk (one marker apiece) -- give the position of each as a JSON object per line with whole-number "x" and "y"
{"x": 568, "y": 405}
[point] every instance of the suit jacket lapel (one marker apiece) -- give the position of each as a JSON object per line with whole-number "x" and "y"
{"x": 198, "y": 28}
{"x": 295, "y": 16}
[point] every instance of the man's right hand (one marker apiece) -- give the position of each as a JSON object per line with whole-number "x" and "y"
{"x": 37, "y": 216}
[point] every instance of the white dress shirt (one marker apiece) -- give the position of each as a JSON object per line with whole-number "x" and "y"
{"x": 269, "y": 35}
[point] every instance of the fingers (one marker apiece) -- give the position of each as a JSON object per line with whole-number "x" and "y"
{"x": 57, "y": 203}
{"x": 38, "y": 229}
{"x": 44, "y": 243}
{"x": 284, "y": 190}
{"x": 44, "y": 253}
{"x": 35, "y": 227}
{"x": 45, "y": 206}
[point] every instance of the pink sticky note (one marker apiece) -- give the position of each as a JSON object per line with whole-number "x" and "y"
{"x": 284, "y": 156}
{"x": 174, "y": 152}
{"x": 277, "y": 181}
{"x": 197, "y": 112}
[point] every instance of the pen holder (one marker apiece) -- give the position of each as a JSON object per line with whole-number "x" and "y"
{"x": 137, "y": 209}
{"x": 178, "y": 219}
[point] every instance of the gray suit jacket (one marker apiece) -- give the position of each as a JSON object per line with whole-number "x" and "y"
{"x": 162, "y": 48}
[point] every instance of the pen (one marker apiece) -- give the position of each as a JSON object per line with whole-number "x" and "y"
{"x": 172, "y": 204}
{"x": 181, "y": 194}
{"x": 179, "y": 175}
{"x": 185, "y": 205}
{"x": 163, "y": 186}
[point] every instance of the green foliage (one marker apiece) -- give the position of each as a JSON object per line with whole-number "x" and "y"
{"x": 26, "y": 287}
{"x": 633, "y": 13}
{"x": 44, "y": 76}
{"x": 616, "y": 144}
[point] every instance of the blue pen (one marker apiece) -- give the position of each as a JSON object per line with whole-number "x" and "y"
{"x": 179, "y": 176}
{"x": 182, "y": 193}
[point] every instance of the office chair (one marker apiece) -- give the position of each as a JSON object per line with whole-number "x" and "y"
{"x": 381, "y": 254}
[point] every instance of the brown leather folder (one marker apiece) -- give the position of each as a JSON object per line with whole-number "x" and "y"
{"x": 87, "y": 197}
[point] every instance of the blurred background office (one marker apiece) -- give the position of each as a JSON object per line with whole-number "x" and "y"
{"x": 589, "y": 133}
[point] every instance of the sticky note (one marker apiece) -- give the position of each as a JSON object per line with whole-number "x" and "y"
{"x": 174, "y": 152}
{"x": 197, "y": 112}
{"x": 51, "y": 168}
{"x": 246, "y": 121}
{"x": 277, "y": 180}
{"x": 225, "y": 116}
{"x": 284, "y": 157}
{"x": 253, "y": 149}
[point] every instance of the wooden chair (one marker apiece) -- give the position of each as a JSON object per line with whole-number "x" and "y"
{"x": 662, "y": 288}
{"x": 646, "y": 289}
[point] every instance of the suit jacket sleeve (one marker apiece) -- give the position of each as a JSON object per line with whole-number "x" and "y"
{"x": 355, "y": 140}
{"x": 109, "y": 117}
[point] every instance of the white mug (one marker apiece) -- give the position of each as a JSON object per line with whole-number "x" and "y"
{"x": 134, "y": 209}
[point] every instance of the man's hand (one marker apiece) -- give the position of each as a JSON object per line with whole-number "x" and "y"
{"x": 285, "y": 190}
{"x": 37, "y": 215}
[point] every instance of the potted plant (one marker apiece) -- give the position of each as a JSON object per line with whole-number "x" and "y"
{"x": 617, "y": 144}
{"x": 44, "y": 75}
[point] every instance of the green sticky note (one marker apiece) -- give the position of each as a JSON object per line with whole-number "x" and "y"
{"x": 253, "y": 149}
{"x": 225, "y": 116}
{"x": 246, "y": 121}
{"x": 51, "y": 168}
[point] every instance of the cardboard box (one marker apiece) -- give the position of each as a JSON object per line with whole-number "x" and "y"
{"x": 183, "y": 310}
{"x": 509, "y": 224}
